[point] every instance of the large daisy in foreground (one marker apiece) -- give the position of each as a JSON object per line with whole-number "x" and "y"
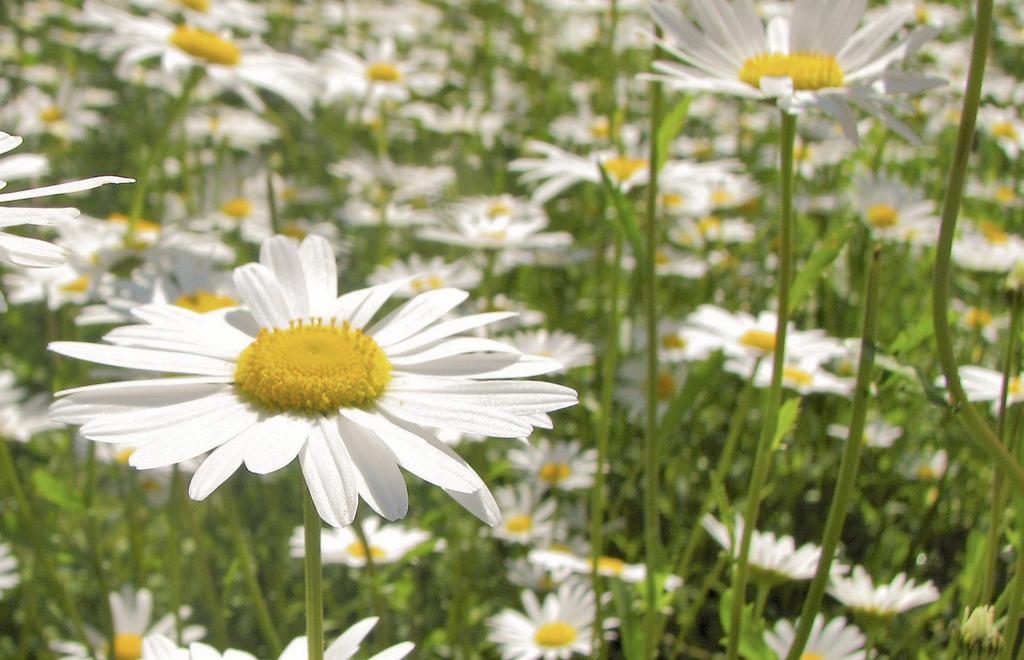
{"x": 297, "y": 371}
{"x": 814, "y": 57}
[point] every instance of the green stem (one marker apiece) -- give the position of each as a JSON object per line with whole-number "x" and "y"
{"x": 206, "y": 582}
{"x": 763, "y": 589}
{"x": 263, "y": 619}
{"x": 92, "y": 535}
{"x": 604, "y": 427}
{"x": 762, "y": 458}
{"x": 130, "y": 493}
{"x": 371, "y": 574}
{"x": 693, "y": 610}
{"x": 969, "y": 415}
{"x": 314, "y": 579}
{"x": 846, "y": 486}
{"x": 652, "y": 533}
{"x": 174, "y": 548}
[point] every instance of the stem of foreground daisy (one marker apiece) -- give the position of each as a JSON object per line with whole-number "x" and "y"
{"x": 314, "y": 579}
{"x": 846, "y": 485}
{"x": 652, "y": 533}
{"x": 604, "y": 428}
{"x": 28, "y": 523}
{"x": 156, "y": 154}
{"x": 969, "y": 415}
{"x": 773, "y": 400}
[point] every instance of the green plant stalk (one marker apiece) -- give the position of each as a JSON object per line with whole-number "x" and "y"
{"x": 762, "y": 458}
{"x": 202, "y": 566}
{"x": 130, "y": 493}
{"x": 314, "y": 579}
{"x": 604, "y": 427}
{"x": 970, "y": 417}
{"x": 371, "y": 573}
{"x": 275, "y": 220}
{"x": 156, "y": 154}
{"x": 694, "y": 610}
{"x": 174, "y": 549}
{"x": 92, "y": 535}
{"x": 263, "y": 619}
{"x": 846, "y": 485}
{"x": 652, "y": 533}
{"x": 29, "y": 523}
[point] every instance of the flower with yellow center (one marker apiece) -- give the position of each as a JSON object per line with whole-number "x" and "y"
{"x": 623, "y": 168}
{"x": 51, "y": 114}
{"x": 385, "y": 72}
{"x": 358, "y": 550}
{"x": 519, "y": 524}
{"x": 760, "y": 340}
{"x": 202, "y": 6}
{"x": 1005, "y": 195}
{"x": 808, "y": 71}
{"x": 555, "y": 635}
{"x": 883, "y": 215}
{"x": 296, "y": 372}
{"x": 1005, "y": 129}
{"x": 238, "y": 208}
{"x": 127, "y": 646}
{"x": 206, "y": 46}
{"x": 559, "y": 628}
{"x": 993, "y": 233}
{"x": 835, "y": 639}
{"x": 78, "y": 285}
{"x": 555, "y": 473}
{"x": 386, "y": 543}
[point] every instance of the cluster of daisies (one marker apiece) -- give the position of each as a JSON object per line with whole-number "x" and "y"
{"x": 372, "y": 240}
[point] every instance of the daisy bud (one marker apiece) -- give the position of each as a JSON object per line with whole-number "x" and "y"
{"x": 978, "y": 636}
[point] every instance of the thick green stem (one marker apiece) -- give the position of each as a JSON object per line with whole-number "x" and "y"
{"x": 652, "y": 533}
{"x": 314, "y": 579}
{"x": 969, "y": 415}
{"x": 762, "y": 459}
{"x": 846, "y": 486}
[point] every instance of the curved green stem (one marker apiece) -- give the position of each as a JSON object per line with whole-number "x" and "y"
{"x": 314, "y": 579}
{"x": 846, "y": 485}
{"x": 772, "y": 402}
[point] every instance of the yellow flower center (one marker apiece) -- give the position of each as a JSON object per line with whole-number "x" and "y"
{"x": 922, "y": 15}
{"x": 1004, "y": 129}
{"x": 600, "y": 128}
{"x": 51, "y": 114}
{"x": 883, "y": 215}
{"x": 500, "y": 235}
{"x": 312, "y": 368}
{"x": 204, "y": 301}
{"x": 1005, "y": 195}
{"x": 811, "y": 656}
{"x": 498, "y": 209}
{"x": 802, "y": 152}
{"x": 519, "y": 524}
{"x": 661, "y": 258}
{"x": 358, "y": 550}
{"x": 612, "y": 565}
{"x": 421, "y": 283}
{"x": 977, "y": 318}
{"x": 925, "y": 472}
{"x": 197, "y": 5}
{"x": 1014, "y": 386}
{"x": 294, "y": 231}
{"x": 808, "y": 71}
{"x": 672, "y": 200}
{"x": 721, "y": 196}
{"x": 237, "y": 208}
{"x": 127, "y": 646}
{"x": 994, "y": 234}
{"x": 708, "y": 224}
{"x": 762, "y": 340}
{"x": 673, "y": 342}
{"x": 797, "y": 376}
{"x": 123, "y": 455}
{"x": 622, "y": 168}
{"x": 554, "y": 473}
{"x": 205, "y": 46}
{"x": 555, "y": 635}
{"x": 80, "y": 285}
{"x": 141, "y": 224}
{"x": 383, "y": 72}
{"x": 666, "y": 385}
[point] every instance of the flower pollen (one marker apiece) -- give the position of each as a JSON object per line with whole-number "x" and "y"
{"x": 358, "y": 550}
{"x": 51, "y": 115}
{"x": 312, "y": 368}
{"x": 127, "y": 646}
{"x": 519, "y": 524}
{"x": 762, "y": 340}
{"x": 204, "y": 301}
{"x": 205, "y": 46}
{"x": 555, "y": 473}
{"x": 883, "y": 215}
{"x": 622, "y": 168}
{"x": 808, "y": 71}
{"x": 237, "y": 208}
{"x": 555, "y": 635}
{"x": 383, "y": 72}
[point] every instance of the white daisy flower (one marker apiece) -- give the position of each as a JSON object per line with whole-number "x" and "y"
{"x": 878, "y": 433}
{"x": 556, "y": 465}
{"x": 21, "y": 418}
{"x": 31, "y": 252}
{"x": 777, "y": 558}
{"x": 9, "y": 577}
{"x": 986, "y": 247}
{"x": 836, "y": 640}
{"x": 806, "y": 375}
{"x": 984, "y": 384}
{"x": 928, "y": 466}
{"x": 557, "y": 629}
{"x": 527, "y": 517}
{"x": 813, "y": 58}
{"x": 497, "y": 223}
{"x": 212, "y": 14}
{"x": 299, "y": 372}
{"x": 894, "y": 211}
{"x": 388, "y": 543}
{"x": 237, "y": 128}
{"x": 568, "y": 349}
{"x": 560, "y": 561}
{"x": 860, "y": 594}
{"x": 419, "y": 274}
{"x": 379, "y": 76}
{"x": 533, "y": 576}
{"x": 711, "y": 230}
{"x": 1005, "y": 126}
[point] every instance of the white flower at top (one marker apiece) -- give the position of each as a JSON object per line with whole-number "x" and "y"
{"x": 556, "y": 465}
{"x": 836, "y": 640}
{"x": 497, "y": 223}
{"x": 896, "y": 212}
{"x": 418, "y": 275}
{"x": 815, "y": 57}
{"x": 776, "y": 557}
{"x": 379, "y": 76}
{"x": 557, "y": 629}
{"x": 299, "y": 372}
{"x": 527, "y": 518}
{"x": 860, "y": 594}
{"x": 568, "y": 349}
{"x": 32, "y": 252}
{"x": 9, "y": 577}
{"x": 387, "y": 543}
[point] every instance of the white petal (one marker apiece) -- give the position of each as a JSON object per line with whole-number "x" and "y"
{"x": 30, "y": 252}
{"x": 321, "y": 272}
{"x": 330, "y": 475}
{"x": 261, "y": 292}
{"x": 197, "y": 436}
{"x": 358, "y": 307}
{"x": 348, "y": 643}
{"x": 447, "y": 329}
{"x": 466, "y": 418}
{"x": 281, "y": 256}
{"x": 381, "y": 482}
{"x": 457, "y": 346}
{"x": 62, "y": 188}
{"x": 415, "y": 315}
{"x": 141, "y": 358}
{"x": 215, "y": 470}
{"x": 274, "y": 442}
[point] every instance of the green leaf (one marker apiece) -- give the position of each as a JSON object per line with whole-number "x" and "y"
{"x": 752, "y": 644}
{"x": 670, "y": 127}
{"x": 788, "y": 414}
{"x": 54, "y": 490}
{"x": 822, "y": 257}
{"x": 910, "y": 338}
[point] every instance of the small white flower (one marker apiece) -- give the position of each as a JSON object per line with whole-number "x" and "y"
{"x": 9, "y": 577}
{"x": 860, "y": 594}
{"x": 388, "y": 543}
{"x": 836, "y": 640}
{"x": 557, "y": 629}
{"x": 776, "y": 556}
{"x": 556, "y": 465}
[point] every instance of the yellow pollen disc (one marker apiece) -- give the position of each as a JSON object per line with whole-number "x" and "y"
{"x": 721, "y": 197}
{"x": 294, "y": 231}
{"x": 797, "y": 376}
{"x": 554, "y": 473}
{"x": 1004, "y": 129}
{"x": 123, "y": 455}
{"x": 922, "y": 15}
{"x": 672, "y": 200}
{"x": 140, "y": 225}
{"x": 661, "y": 258}
{"x": 205, "y": 45}
{"x": 290, "y": 193}
{"x": 555, "y": 635}
{"x": 358, "y": 550}
{"x": 383, "y": 72}
{"x": 197, "y": 5}
{"x": 51, "y": 114}
{"x": 612, "y": 565}
{"x": 811, "y": 656}
{"x": 673, "y": 342}
{"x": 500, "y": 235}
{"x": 666, "y": 385}
{"x": 802, "y": 152}
{"x": 808, "y": 71}
{"x": 600, "y": 128}
{"x": 622, "y": 168}
{"x": 519, "y": 524}
{"x": 498, "y": 209}
{"x": 759, "y": 339}
{"x": 80, "y": 285}
{"x": 312, "y": 368}
{"x": 204, "y": 301}
{"x": 150, "y": 485}
{"x": 994, "y": 234}
{"x": 127, "y": 646}
{"x": 237, "y": 208}
{"x": 1005, "y": 195}
{"x": 883, "y": 215}
{"x": 926, "y": 472}
{"x": 977, "y": 318}
{"x": 1014, "y": 387}
{"x": 708, "y": 224}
